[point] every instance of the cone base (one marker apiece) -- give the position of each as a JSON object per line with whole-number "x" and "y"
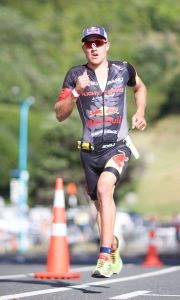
{"x": 56, "y": 275}
{"x": 152, "y": 263}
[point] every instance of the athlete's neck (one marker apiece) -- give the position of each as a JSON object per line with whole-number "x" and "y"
{"x": 101, "y": 72}
{"x": 97, "y": 67}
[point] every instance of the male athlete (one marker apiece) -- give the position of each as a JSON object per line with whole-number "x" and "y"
{"x": 98, "y": 88}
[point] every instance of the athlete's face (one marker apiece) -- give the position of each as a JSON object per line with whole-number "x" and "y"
{"x": 95, "y": 49}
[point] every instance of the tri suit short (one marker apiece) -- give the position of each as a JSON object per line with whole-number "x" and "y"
{"x": 113, "y": 159}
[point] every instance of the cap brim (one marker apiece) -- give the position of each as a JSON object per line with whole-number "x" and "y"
{"x": 98, "y": 35}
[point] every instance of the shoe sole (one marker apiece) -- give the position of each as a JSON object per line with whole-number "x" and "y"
{"x": 99, "y": 275}
{"x": 119, "y": 271}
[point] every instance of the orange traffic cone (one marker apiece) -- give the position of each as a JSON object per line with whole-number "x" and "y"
{"x": 58, "y": 259}
{"x": 152, "y": 258}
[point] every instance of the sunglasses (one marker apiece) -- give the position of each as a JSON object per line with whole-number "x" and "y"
{"x": 96, "y": 43}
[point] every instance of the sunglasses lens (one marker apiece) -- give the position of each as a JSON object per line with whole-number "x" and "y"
{"x": 96, "y": 43}
{"x": 99, "y": 43}
{"x": 88, "y": 44}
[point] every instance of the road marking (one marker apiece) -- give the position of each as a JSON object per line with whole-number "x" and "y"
{"x": 15, "y": 276}
{"x": 160, "y": 295}
{"x": 79, "y": 269}
{"x": 130, "y": 295}
{"x": 34, "y": 293}
{"x": 129, "y": 278}
{"x": 99, "y": 282}
{"x": 140, "y": 293}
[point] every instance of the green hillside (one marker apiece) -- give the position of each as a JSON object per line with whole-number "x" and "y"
{"x": 40, "y": 40}
{"x": 158, "y": 189}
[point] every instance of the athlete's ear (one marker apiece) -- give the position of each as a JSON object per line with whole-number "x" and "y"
{"x": 83, "y": 48}
{"x": 107, "y": 46}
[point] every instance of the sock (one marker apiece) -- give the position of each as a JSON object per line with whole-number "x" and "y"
{"x": 105, "y": 250}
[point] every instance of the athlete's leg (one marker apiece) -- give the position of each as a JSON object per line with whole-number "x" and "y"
{"x": 109, "y": 260}
{"x": 98, "y": 220}
{"x": 105, "y": 218}
{"x": 106, "y": 207}
{"x": 114, "y": 168}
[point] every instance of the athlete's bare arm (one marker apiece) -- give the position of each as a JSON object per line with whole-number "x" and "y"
{"x": 64, "y": 107}
{"x": 67, "y": 100}
{"x": 140, "y": 94}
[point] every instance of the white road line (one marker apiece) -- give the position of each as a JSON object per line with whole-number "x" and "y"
{"x": 34, "y": 293}
{"x": 130, "y": 295}
{"x": 99, "y": 282}
{"x": 160, "y": 295}
{"x": 79, "y": 269}
{"x": 129, "y": 278}
{"x": 15, "y": 276}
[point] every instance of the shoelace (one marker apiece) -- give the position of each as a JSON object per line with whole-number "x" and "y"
{"x": 113, "y": 256}
{"x": 101, "y": 262}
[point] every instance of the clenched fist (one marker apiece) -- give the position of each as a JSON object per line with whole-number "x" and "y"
{"x": 138, "y": 121}
{"x": 82, "y": 82}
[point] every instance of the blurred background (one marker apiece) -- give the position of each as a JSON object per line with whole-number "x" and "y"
{"x": 39, "y": 42}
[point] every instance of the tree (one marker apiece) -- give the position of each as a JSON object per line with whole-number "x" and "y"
{"x": 172, "y": 104}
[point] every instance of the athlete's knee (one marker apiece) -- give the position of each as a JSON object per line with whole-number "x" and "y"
{"x": 104, "y": 190}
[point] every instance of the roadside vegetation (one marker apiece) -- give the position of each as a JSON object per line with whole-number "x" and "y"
{"x": 40, "y": 41}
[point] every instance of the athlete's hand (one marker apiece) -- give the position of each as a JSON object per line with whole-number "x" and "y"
{"x": 138, "y": 121}
{"x": 82, "y": 82}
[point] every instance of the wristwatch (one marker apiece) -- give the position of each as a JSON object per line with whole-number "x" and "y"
{"x": 75, "y": 93}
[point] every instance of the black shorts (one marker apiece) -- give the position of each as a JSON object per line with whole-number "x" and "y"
{"x": 114, "y": 160}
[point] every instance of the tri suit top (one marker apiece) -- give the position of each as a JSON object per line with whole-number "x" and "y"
{"x": 104, "y": 118}
{"x": 103, "y": 113}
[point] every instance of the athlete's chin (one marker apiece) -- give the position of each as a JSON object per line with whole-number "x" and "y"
{"x": 95, "y": 61}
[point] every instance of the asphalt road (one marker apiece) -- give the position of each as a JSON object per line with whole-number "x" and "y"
{"x": 134, "y": 282}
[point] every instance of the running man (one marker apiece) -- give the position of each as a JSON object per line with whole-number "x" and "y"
{"x": 98, "y": 88}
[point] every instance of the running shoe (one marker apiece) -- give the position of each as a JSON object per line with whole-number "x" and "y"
{"x": 103, "y": 268}
{"x": 115, "y": 260}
